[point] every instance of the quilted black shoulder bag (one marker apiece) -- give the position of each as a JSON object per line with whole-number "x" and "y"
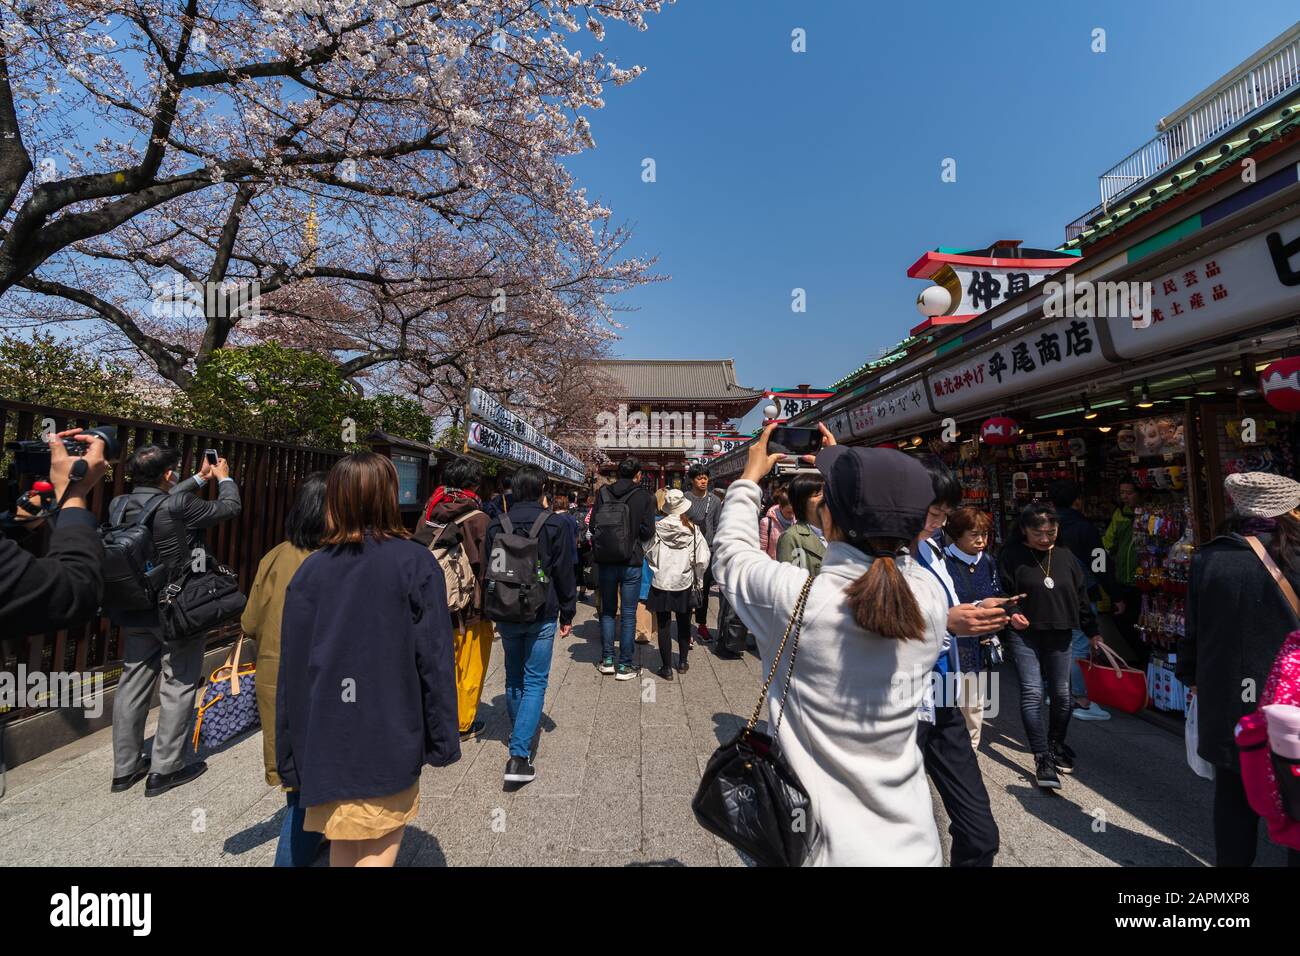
{"x": 749, "y": 795}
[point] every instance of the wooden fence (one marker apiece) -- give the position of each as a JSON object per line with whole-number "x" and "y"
{"x": 268, "y": 475}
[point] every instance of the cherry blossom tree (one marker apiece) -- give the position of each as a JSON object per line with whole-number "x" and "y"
{"x": 148, "y": 142}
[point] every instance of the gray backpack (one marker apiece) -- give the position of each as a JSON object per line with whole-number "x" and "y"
{"x": 515, "y": 585}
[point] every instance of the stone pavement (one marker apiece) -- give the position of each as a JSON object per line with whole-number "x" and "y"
{"x": 617, "y": 765}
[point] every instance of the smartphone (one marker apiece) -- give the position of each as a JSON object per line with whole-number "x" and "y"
{"x": 794, "y": 441}
{"x": 211, "y": 455}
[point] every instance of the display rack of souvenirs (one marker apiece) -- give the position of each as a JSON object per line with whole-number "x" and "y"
{"x": 1167, "y": 691}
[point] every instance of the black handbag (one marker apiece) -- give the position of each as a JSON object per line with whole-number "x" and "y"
{"x": 749, "y": 795}
{"x": 200, "y": 600}
{"x": 696, "y": 599}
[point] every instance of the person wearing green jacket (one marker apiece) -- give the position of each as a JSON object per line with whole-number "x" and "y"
{"x": 1118, "y": 542}
{"x": 803, "y": 543}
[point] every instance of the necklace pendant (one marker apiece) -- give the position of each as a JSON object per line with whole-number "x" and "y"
{"x": 1048, "y": 582}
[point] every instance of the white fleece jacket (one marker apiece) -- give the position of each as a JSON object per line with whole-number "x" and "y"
{"x": 670, "y": 555}
{"x": 850, "y": 720}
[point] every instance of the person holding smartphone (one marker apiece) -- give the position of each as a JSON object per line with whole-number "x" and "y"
{"x": 943, "y": 735}
{"x": 1055, "y": 604}
{"x": 975, "y": 577}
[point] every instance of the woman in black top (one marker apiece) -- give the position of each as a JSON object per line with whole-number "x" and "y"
{"x": 1055, "y": 603}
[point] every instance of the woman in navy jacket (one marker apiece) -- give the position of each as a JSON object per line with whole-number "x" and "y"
{"x": 367, "y": 691}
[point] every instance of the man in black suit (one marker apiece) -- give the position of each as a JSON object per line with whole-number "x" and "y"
{"x": 148, "y": 654}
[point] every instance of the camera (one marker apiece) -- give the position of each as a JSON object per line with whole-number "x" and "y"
{"x": 32, "y": 457}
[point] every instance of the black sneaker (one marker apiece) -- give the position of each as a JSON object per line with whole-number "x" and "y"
{"x": 520, "y": 770}
{"x": 606, "y": 665}
{"x": 1045, "y": 772}
{"x": 665, "y": 672}
{"x": 131, "y": 779}
{"x": 1063, "y": 757}
{"x": 475, "y": 729}
{"x": 624, "y": 672}
{"x": 160, "y": 783}
{"x": 683, "y": 667}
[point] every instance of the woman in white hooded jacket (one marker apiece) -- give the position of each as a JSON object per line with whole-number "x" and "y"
{"x": 872, "y": 628}
{"x": 678, "y": 558}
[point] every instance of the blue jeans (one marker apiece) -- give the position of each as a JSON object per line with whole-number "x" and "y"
{"x": 1080, "y": 646}
{"x": 297, "y": 847}
{"x": 620, "y": 586}
{"x": 1043, "y": 658}
{"x": 528, "y": 669}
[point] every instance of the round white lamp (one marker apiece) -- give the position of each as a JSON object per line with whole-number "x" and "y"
{"x": 936, "y": 300}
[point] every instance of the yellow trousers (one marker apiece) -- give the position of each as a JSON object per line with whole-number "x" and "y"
{"x": 473, "y": 649}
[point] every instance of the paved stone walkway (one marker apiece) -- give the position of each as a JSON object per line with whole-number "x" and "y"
{"x": 617, "y": 765}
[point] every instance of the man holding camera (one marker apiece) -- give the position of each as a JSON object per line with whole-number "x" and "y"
{"x": 61, "y": 589}
{"x": 147, "y": 651}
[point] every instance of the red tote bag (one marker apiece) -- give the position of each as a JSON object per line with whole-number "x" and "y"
{"x": 1115, "y": 684}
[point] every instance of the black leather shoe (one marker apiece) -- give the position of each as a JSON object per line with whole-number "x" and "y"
{"x": 131, "y": 779}
{"x": 160, "y": 783}
{"x": 683, "y": 667}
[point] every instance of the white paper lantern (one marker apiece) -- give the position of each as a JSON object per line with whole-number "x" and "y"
{"x": 933, "y": 301}
{"x": 770, "y": 410}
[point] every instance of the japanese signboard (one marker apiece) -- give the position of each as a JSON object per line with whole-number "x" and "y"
{"x": 489, "y": 441}
{"x": 1245, "y": 284}
{"x": 487, "y": 409}
{"x": 983, "y": 289}
{"x": 892, "y": 409}
{"x": 1050, "y": 353}
{"x": 792, "y": 402}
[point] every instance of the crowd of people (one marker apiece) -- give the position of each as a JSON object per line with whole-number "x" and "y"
{"x": 373, "y": 641}
{"x": 909, "y": 601}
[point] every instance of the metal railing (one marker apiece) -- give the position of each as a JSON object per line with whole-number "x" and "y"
{"x": 1222, "y": 108}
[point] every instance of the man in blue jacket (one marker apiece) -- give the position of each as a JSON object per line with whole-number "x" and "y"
{"x": 528, "y": 645}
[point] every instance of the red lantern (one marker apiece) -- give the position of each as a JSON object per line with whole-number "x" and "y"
{"x": 1280, "y": 384}
{"x": 998, "y": 430}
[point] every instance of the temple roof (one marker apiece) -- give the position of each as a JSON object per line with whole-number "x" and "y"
{"x": 703, "y": 380}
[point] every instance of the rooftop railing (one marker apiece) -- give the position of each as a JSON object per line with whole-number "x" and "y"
{"x": 1240, "y": 95}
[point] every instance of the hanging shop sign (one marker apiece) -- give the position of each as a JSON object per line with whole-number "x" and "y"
{"x": 891, "y": 409}
{"x": 486, "y": 439}
{"x": 1256, "y": 280}
{"x": 1280, "y": 384}
{"x": 838, "y": 425}
{"x": 487, "y": 409}
{"x": 1060, "y": 350}
{"x": 999, "y": 430}
{"x": 794, "y": 401}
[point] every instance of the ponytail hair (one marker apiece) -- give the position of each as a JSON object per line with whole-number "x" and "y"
{"x": 881, "y": 600}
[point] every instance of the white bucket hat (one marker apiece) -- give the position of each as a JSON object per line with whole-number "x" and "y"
{"x": 1259, "y": 494}
{"x": 675, "y": 502}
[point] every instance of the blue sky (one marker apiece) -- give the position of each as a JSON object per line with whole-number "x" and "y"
{"x": 821, "y": 170}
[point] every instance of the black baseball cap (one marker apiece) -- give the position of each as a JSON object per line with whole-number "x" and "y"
{"x": 875, "y": 492}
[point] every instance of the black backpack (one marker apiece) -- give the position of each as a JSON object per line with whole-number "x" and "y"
{"x": 613, "y": 539}
{"x": 134, "y": 571}
{"x": 515, "y": 585}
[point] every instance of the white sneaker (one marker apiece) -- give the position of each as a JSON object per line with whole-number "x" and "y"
{"x": 1091, "y": 712}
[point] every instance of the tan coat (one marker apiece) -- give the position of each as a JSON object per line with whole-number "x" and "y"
{"x": 261, "y": 621}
